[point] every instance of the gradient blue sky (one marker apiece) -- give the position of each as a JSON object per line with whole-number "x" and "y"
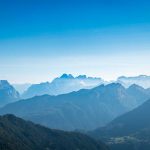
{"x": 41, "y": 39}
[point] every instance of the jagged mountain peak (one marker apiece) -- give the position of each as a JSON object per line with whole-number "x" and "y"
{"x": 7, "y": 93}
{"x": 113, "y": 86}
{"x": 61, "y": 85}
{"x": 81, "y": 77}
{"x": 70, "y": 76}
{"x": 4, "y": 84}
{"x": 67, "y": 76}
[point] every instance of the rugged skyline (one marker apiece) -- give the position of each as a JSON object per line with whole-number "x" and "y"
{"x": 40, "y": 40}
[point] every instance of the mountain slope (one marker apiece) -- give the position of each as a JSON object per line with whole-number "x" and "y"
{"x": 128, "y": 123}
{"x": 17, "y": 134}
{"x": 130, "y": 131}
{"x": 139, "y": 93}
{"x": 37, "y": 90}
{"x": 7, "y": 93}
{"x": 85, "y": 109}
{"x": 64, "y": 84}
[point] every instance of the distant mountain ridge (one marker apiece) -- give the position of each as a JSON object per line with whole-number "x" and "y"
{"x": 17, "y": 134}
{"x": 141, "y": 80}
{"x": 8, "y": 93}
{"x": 64, "y": 84}
{"x": 79, "y": 110}
{"x": 68, "y": 83}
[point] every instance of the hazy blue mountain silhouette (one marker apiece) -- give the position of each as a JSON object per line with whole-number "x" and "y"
{"x": 85, "y": 109}
{"x": 141, "y": 80}
{"x": 64, "y": 84}
{"x": 8, "y": 93}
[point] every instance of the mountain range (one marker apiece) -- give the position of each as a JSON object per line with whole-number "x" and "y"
{"x": 61, "y": 85}
{"x": 141, "y": 80}
{"x": 8, "y": 93}
{"x": 68, "y": 83}
{"x": 86, "y": 109}
{"x": 17, "y": 134}
{"x": 119, "y": 112}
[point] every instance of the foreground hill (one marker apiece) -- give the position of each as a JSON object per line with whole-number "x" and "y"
{"x": 7, "y": 93}
{"x": 17, "y": 134}
{"x": 85, "y": 109}
{"x": 61, "y": 85}
{"x": 130, "y": 131}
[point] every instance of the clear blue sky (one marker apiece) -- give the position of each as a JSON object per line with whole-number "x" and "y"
{"x": 41, "y": 39}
